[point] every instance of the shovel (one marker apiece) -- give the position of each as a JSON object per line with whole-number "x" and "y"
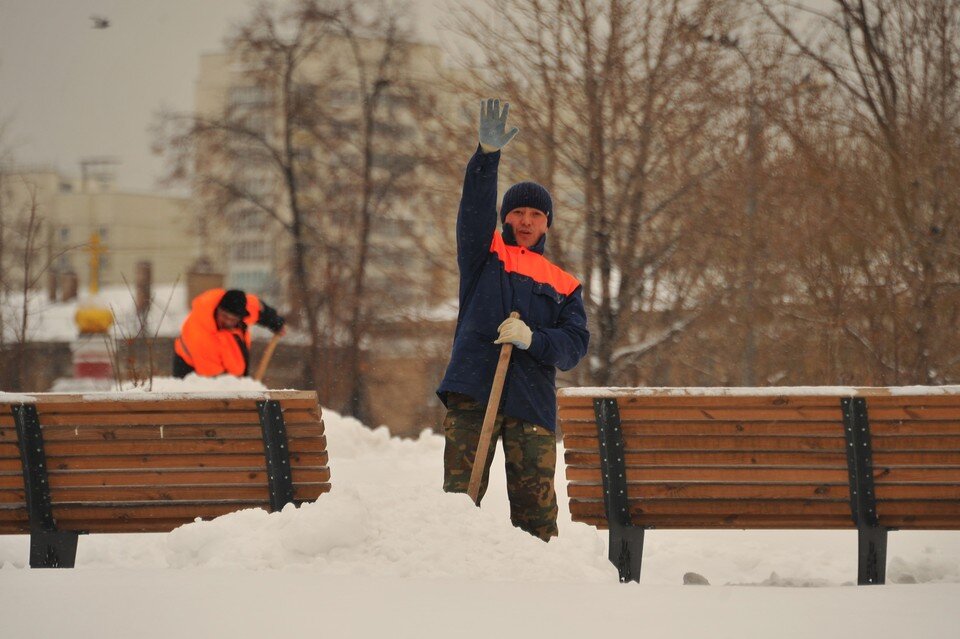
{"x": 486, "y": 431}
{"x": 265, "y": 360}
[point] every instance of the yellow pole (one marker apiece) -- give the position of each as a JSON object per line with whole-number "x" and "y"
{"x": 95, "y": 251}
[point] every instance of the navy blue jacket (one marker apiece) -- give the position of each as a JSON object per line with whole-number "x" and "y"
{"x": 496, "y": 277}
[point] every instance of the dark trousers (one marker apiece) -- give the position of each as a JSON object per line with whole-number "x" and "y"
{"x": 180, "y": 367}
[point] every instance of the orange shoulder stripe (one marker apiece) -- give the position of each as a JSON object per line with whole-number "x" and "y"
{"x": 521, "y": 261}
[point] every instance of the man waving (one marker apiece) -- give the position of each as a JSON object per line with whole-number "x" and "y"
{"x": 503, "y": 271}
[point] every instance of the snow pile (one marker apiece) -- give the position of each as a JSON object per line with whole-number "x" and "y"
{"x": 194, "y": 383}
{"x": 387, "y": 515}
{"x": 388, "y": 553}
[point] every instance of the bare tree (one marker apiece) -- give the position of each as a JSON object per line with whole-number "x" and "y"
{"x": 379, "y": 46}
{"x": 24, "y": 261}
{"x": 611, "y": 103}
{"x": 894, "y": 68}
{"x": 229, "y": 155}
{"x": 319, "y": 143}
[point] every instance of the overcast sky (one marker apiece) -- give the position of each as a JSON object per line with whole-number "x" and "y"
{"x": 69, "y": 91}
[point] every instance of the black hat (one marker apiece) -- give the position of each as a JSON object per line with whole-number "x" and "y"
{"x": 527, "y": 194}
{"x": 234, "y": 301}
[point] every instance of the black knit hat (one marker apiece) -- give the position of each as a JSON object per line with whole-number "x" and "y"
{"x": 527, "y": 194}
{"x": 234, "y": 301}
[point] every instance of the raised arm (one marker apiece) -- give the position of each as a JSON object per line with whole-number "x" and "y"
{"x": 477, "y": 218}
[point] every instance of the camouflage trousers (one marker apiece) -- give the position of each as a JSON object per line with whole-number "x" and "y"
{"x": 530, "y": 453}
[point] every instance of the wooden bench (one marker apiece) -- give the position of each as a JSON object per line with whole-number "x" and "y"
{"x": 149, "y": 462}
{"x": 870, "y": 459}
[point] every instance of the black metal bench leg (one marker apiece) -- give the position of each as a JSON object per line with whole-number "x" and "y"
{"x": 53, "y": 549}
{"x": 872, "y": 555}
{"x": 626, "y": 552}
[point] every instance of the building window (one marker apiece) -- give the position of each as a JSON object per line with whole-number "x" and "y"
{"x": 250, "y": 250}
{"x": 251, "y": 96}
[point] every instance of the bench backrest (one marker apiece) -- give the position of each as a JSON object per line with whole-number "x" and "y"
{"x": 769, "y": 458}
{"x": 151, "y": 462}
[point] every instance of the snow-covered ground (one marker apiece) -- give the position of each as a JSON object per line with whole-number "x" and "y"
{"x": 387, "y": 553}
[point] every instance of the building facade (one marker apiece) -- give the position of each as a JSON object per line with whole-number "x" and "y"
{"x": 249, "y": 243}
{"x": 78, "y": 221}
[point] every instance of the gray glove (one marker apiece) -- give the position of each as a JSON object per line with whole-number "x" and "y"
{"x": 493, "y": 122}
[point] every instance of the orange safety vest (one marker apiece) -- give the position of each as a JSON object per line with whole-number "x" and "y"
{"x": 210, "y": 350}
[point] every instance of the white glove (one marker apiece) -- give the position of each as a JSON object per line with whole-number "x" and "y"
{"x": 515, "y": 331}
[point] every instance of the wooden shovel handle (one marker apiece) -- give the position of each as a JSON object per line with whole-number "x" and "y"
{"x": 267, "y": 354}
{"x": 486, "y": 431}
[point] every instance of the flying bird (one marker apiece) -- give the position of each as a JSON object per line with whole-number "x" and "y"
{"x": 100, "y": 22}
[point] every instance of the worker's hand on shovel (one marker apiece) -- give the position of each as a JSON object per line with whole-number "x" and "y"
{"x": 515, "y": 331}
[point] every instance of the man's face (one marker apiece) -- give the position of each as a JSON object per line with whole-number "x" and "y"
{"x": 226, "y": 320}
{"x": 528, "y": 224}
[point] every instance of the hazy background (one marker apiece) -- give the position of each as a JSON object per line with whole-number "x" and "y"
{"x": 69, "y": 91}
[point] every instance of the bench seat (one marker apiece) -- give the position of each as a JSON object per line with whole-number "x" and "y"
{"x": 143, "y": 462}
{"x": 869, "y": 459}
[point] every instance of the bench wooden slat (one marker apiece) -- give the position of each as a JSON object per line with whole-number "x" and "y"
{"x": 743, "y": 523}
{"x": 811, "y": 459}
{"x": 57, "y": 450}
{"x": 715, "y": 401}
{"x": 813, "y": 413}
{"x": 715, "y": 428}
{"x": 717, "y": 473}
{"x": 62, "y": 479}
{"x": 941, "y": 443}
{"x": 638, "y": 443}
{"x": 912, "y": 413}
{"x": 162, "y": 406}
{"x": 771, "y": 507}
{"x": 595, "y": 517}
{"x": 634, "y": 442}
{"x": 949, "y": 399}
{"x": 61, "y": 402}
{"x": 118, "y": 511}
{"x": 115, "y": 509}
{"x": 246, "y": 416}
{"x": 713, "y": 510}
{"x": 176, "y": 432}
{"x": 916, "y": 458}
{"x": 811, "y": 428}
{"x": 928, "y": 428}
{"x": 250, "y": 462}
{"x": 159, "y": 494}
{"x": 702, "y": 490}
{"x": 155, "y": 418}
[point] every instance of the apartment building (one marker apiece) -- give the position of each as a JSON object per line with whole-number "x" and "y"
{"x": 249, "y": 244}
